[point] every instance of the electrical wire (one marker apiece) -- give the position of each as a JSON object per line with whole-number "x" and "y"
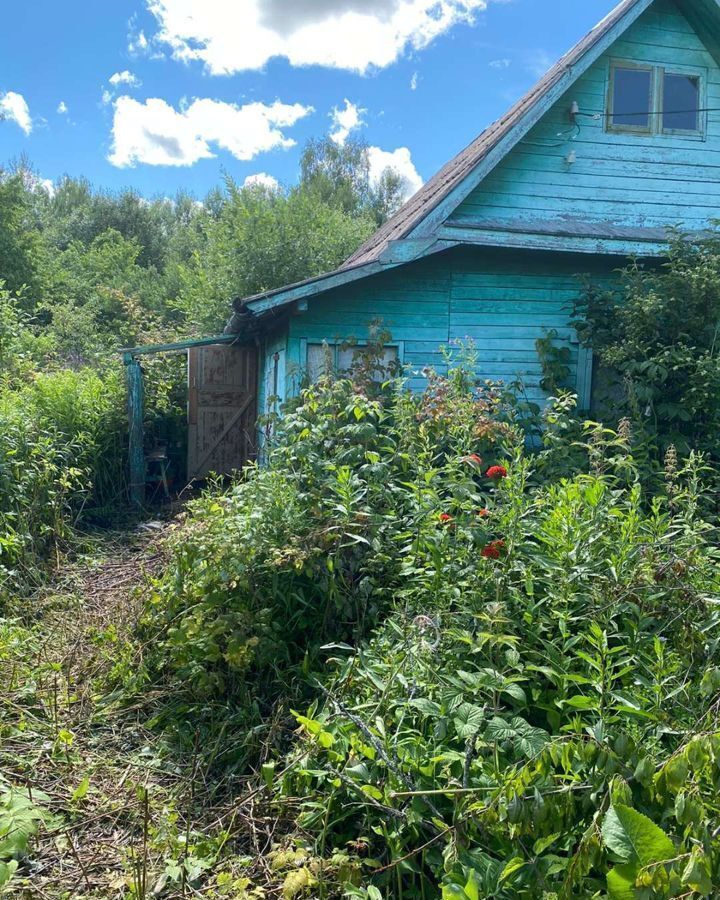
{"x": 660, "y": 112}
{"x": 572, "y": 135}
{"x": 567, "y": 136}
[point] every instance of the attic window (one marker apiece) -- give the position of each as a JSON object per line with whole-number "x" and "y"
{"x": 631, "y": 98}
{"x": 644, "y": 99}
{"x": 681, "y": 102}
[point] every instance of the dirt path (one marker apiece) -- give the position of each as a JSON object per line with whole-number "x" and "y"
{"x": 70, "y": 751}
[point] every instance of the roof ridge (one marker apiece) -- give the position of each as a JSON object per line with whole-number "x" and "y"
{"x": 456, "y": 169}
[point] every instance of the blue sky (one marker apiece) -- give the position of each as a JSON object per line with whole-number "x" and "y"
{"x": 203, "y": 87}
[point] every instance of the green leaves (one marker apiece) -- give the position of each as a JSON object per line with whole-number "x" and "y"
{"x": 640, "y": 844}
{"x": 468, "y": 720}
{"x": 632, "y": 836}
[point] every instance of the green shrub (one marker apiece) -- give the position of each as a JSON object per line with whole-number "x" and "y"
{"x": 311, "y": 546}
{"x": 535, "y": 713}
{"x": 539, "y": 721}
{"x": 656, "y": 338}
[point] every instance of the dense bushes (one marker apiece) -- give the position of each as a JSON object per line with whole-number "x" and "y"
{"x": 535, "y": 713}
{"x": 656, "y": 338}
{"x": 84, "y": 272}
{"x": 546, "y": 727}
{"x": 309, "y": 547}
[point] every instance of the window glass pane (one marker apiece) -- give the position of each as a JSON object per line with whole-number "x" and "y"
{"x": 681, "y": 102}
{"x": 631, "y": 97}
{"x": 319, "y": 360}
{"x": 388, "y": 356}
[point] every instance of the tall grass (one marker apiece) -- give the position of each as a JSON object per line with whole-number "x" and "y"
{"x": 61, "y": 458}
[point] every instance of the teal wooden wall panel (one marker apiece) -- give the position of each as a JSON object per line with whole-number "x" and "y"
{"x": 504, "y": 300}
{"x": 628, "y": 180}
{"x": 411, "y": 302}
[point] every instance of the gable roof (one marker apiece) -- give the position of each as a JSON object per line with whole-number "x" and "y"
{"x": 421, "y": 214}
{"x": 455, "y": 171}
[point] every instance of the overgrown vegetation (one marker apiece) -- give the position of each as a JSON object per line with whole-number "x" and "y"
{"x": 535, "y": 712}
{"x": 441, "y": 645}
{"x": 656, "y": 336}
{"x": 84, "y": 272}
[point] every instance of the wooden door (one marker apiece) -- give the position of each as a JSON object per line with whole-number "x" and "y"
{"x": 222, "y": 408}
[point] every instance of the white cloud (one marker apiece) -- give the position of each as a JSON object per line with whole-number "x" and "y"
{"x": 126, "y": 78}
{"x": 503, "y": 63}
{"x": 262, "y": 179}
{"x": 137, "y": 42}
{"x": 539, "y": 62}
{"x": 401, "y": 161}
{"x": 106, "y": 97}
{"x": 62, "y": 108}
{"x": 48, "y": 186}
{"x": 234, "y": 35}
{"x": 414, "y": 81}
{"x": 345, "y": 120}
{"x": 156, "y": 134}
{"x": 14, "y": 108}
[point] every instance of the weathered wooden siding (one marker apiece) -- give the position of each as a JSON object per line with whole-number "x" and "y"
{"x": 504, "y": 300}
{"x": 617, "y": 180}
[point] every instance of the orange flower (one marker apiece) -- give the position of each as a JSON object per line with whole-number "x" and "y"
{"x": 473, "y": 459}
{"x": 445, "y": 518}
{"x": 493, "y": 550}
{"x": 483, "y": 513}
{"x": 497, "y": 472}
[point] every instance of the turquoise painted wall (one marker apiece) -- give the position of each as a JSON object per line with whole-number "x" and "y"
{"x": 623, "y": 179}
{"x": 503, "y": 299}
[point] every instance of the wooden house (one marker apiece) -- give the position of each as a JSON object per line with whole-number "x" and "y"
{"x": 619, "y": 140}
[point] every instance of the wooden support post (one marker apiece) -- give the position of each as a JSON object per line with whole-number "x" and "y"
{"x": 136, "y": 411}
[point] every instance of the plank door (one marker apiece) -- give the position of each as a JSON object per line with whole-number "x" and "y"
{"x": 222, "y": 408}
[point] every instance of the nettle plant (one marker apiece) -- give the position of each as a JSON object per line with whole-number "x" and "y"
{"x": 539, "y": 721}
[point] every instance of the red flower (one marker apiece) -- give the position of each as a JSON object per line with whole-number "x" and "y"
{"x": 493, "y": 550}
{"x": 445, "y": 518}
{"x": 496, "y": 472}
{"x": 483, "y": 513}
{"x": 473, "y": 459}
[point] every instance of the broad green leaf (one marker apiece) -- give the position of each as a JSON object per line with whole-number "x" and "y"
{"x": 513, "y": 866}
{"x": 453, "y": 892}
{"x": 634, "y": 837}
{"x": 696, "y": 874}
{"x": 580, "y": 701}
{"x": 81, "y": 790}
{"x": 541, "y": 844}
{"x": 425, "y": 706}
{"x": 471, "y": 888}
{"x": 515, "y": 691}
{"x": 468, "y": 719}
{"x": 7, "y": 870}
{"x": 372, "y": 791}
{"x": 621, "y": 882}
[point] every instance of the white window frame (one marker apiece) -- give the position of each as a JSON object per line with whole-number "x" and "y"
{"x": 336, "y": 343}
